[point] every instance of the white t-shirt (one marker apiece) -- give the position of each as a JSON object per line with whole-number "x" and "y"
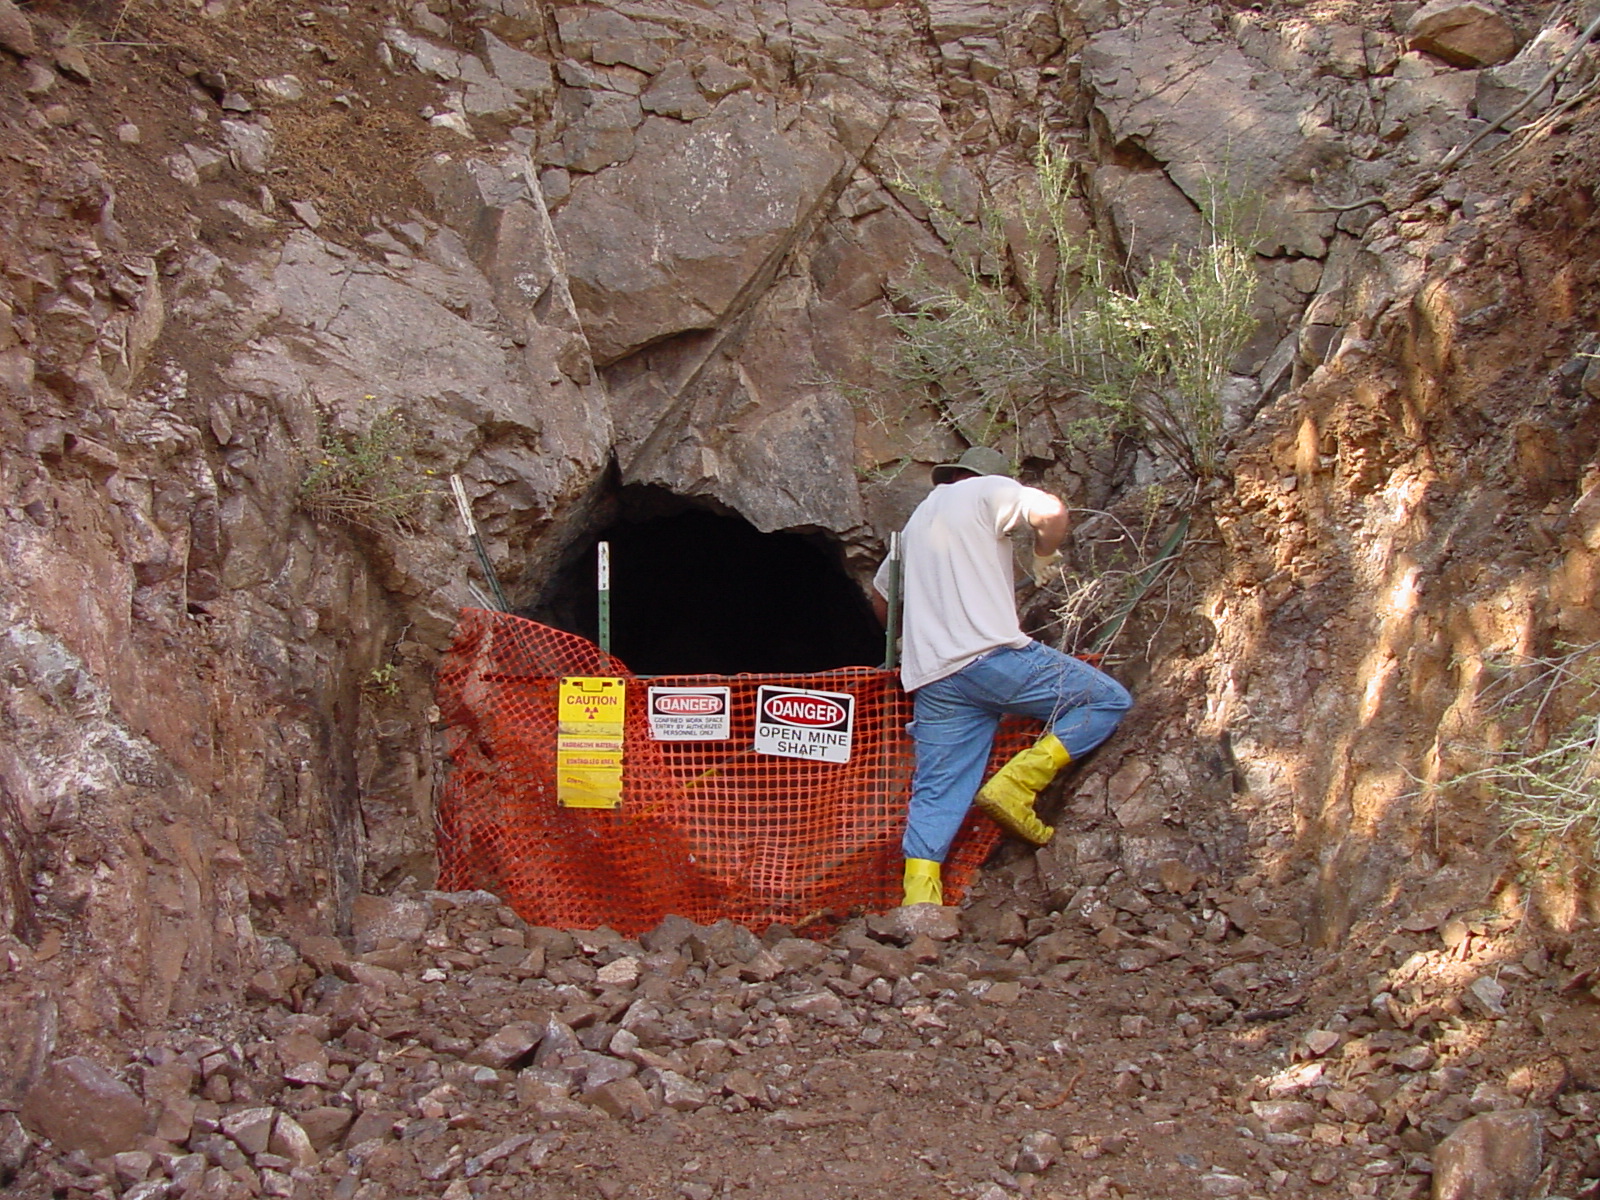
{"x": 957, "y": 586}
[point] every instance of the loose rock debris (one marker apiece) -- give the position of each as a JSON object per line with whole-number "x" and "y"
{"x": 1135, "y": 1042}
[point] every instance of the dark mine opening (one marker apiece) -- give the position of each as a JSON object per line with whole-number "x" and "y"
{"x": 697, "y": 592}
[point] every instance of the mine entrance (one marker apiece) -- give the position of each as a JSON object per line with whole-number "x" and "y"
{"x": 701, "y": 592}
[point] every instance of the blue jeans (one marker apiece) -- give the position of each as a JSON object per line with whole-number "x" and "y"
{"x": 954, "y": 720}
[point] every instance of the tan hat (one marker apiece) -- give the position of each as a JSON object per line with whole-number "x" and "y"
{"x": 980, "y": 460}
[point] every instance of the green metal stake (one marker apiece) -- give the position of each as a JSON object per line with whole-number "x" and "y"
{"x": 891, "y": 634}
{"x": 604, "y": 581}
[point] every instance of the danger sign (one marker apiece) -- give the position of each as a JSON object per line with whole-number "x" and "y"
{"x": 794, "y": 723}
{"x": 689, "y": 714}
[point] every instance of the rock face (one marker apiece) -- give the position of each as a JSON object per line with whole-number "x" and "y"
{"x": 1175, "y": 92}
{"x": 667, "y": 243}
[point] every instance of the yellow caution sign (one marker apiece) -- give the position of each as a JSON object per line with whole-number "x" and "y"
{"x": 589, "y": 741}
{"x": 590, "y": 704}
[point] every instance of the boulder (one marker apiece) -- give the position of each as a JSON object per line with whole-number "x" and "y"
{"x": 373, "y": 918}
{"x": 325, "y": 1125}
{"x": 1465, "y": 33}
{"x": 250, "y": 1128}
{"x": 79, "y": 1105}
{"x": 291, "y": 1141}
{"x": 1493, "y": 1156}
{"x": 622, "y": 1098}
{"x": 16, "y": 32}
{"x": 508, "y": 1045}
{"x": 906, "y": 924}
{"x": 249, "y": 145}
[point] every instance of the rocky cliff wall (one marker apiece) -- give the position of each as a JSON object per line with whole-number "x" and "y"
{"x": 576, "y": 248}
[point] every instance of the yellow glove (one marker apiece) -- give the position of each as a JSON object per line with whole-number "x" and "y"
{"x": 1045, "y": 566}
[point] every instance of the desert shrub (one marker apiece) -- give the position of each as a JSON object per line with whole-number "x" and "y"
{"x": 1538, "y": 750}
{"x": 368, "y": 479}
{"x": 1042, "y": 316}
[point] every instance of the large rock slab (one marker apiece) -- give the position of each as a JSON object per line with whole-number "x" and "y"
{"x": 609, "y": 38}
{"x": 321, "y": 332}
{"x": 669, "y": 241}
{"x": 953, "y": 19}
{"x": 1150, "y": 215}
{"x": 674, "y": 93}
{"x": 602, "y": 131}
{"x": 497, "y": 205}
{"x": 747, "y": 421}
{"x": 1217, "y": 122}
{"x": 1427, "y": 108}
{"x": 518, "y": 70}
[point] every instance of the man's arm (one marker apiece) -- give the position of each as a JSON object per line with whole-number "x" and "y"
{"x": 880, "y": 607}
{"x": 1049, "y": 520}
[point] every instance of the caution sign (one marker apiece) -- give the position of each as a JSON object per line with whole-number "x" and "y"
{"x": 592, "y": 704}
{"x": 690, "y": 714}
{"x": 795, "y": 723}
{"x": 590, "y": 713}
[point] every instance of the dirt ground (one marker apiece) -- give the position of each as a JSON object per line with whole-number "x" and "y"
{"x": 1121, "y": 1042}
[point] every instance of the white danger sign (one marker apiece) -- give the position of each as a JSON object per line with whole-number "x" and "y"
{"x": 690, "y": 714}
{"x": 794, "y": 723}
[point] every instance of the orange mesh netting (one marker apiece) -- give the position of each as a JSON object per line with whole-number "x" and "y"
{"x": 706, "y": 829}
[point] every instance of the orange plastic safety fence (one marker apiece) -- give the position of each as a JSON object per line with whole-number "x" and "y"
{"x": 706, "y": 829}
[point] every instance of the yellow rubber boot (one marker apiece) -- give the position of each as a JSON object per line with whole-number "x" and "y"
{"x": 922, "y": 882}
{"x": 1009, "y": 795}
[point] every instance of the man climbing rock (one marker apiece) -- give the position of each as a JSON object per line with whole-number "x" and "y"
{"x": 967, "y": 662}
